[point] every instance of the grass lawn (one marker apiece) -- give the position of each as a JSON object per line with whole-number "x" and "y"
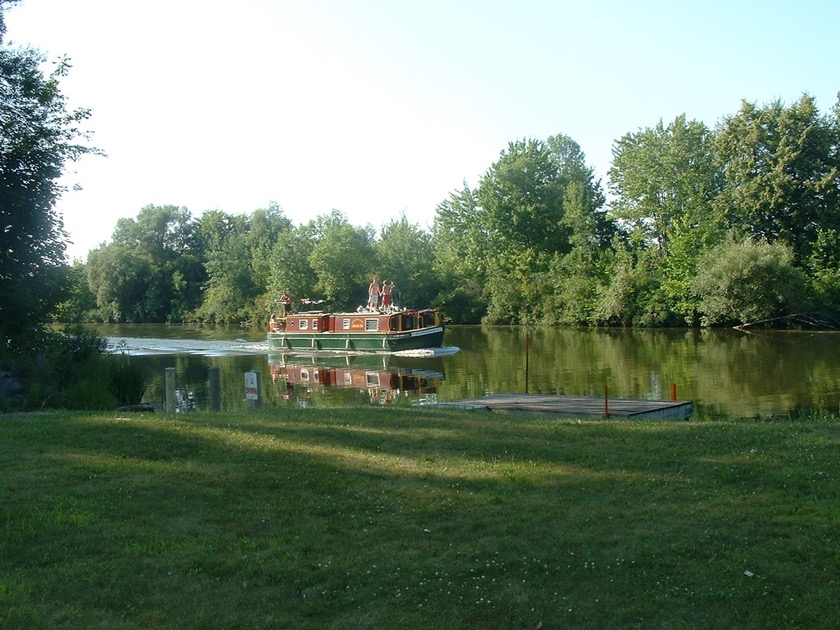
{"x": 416, "y": 518}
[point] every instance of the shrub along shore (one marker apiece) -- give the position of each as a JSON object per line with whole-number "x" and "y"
{"x": 422, "y": 518}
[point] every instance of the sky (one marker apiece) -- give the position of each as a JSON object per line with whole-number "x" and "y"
{"x": 383, "y": 108}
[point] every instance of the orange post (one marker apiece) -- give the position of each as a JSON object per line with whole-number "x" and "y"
{"x": 673, "y": 391}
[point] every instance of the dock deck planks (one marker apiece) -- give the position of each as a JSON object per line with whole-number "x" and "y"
{"x": 580, "y": 406}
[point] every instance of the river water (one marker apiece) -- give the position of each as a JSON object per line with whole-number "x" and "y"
{"x": 720, "y": 371}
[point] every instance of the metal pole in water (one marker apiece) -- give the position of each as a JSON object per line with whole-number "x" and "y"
{"x": 606, "y": 401}
{"x": 215, "y": 389}
{"x": 527, "y": 358}
{"x": 170, "y": 389}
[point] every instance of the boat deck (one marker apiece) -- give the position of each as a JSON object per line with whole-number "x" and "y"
{"x": 580, "y": 406}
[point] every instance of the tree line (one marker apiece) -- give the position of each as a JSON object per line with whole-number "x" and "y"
{"x": 737, "y": 224}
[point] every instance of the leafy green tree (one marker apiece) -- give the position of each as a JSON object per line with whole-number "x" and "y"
{"x": 521, "y": 196}
{"x": 631, "y": 295}
{"x": 238, "y": 253}
{"x": 118, "y": 276}
{"x": 663, "y": 175}
{"x": 573, "y": 281}
{"x": 80, "y": 302}
{"x": 38, "y": 137}
{"x": 343, "y": 259}
{"x": 461, "y": 253}
{"x": 230, "y": 290}
{"x": 537, "y": 202}
{"x": 823, "y": 268}
{"x": 164, "y": 282}
{"x": 782, "y": 173}
{"x": 573, "y": 285}
{"x": 405, "y": 255}
{"x": 748, "y": 281}
{"x": 664, "y": 181}
{"x": 264, "y": 229}
{"x": 290, "y": 269}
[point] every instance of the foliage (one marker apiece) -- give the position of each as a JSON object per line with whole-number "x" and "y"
{"x": 538, "y": 201}
{"x": 533, "y": 243}
{"x": 238, "y": 254}
{"x": 461, "y": 242}
{"x": 748, "y": 281}
{"x": 38, "y": 136}
{"x": 343, "y": 259}
{"x": 404, "y": 253}
{"x": 665, "y": 180}
{"x": 290, "y": 270}
{"x": 151, "y": 271}
{"x": 782, "y": 172}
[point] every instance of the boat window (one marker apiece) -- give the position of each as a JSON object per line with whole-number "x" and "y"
{"x": 304, "y": 374}
{"x": 372, "y": 324}
{"x": 345, "y": 324}
{"x": 304, "y": 324}
{"x": 314, "y": 324}
{"x": 372, "y": 378}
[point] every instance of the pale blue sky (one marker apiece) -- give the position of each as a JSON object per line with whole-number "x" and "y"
{"x": 379, "y": 107}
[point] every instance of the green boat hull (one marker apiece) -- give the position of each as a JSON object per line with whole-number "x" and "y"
{"x": 357, "y": 342}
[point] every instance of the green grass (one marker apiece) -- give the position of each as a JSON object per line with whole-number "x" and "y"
{"x": 416, "y": 518}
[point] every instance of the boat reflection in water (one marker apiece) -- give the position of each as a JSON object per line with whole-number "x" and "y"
{"x": 324, "y": 379}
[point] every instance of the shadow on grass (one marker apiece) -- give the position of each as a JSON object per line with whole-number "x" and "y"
{"x": 351, "y": 518}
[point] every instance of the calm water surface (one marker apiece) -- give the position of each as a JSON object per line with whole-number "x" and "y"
{"x": 743, "y": 374}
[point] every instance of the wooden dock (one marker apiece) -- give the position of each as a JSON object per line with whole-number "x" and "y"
{"x": 580, "y": 406}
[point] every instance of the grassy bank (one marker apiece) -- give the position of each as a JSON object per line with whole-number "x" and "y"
{"x": 383, "y": 518}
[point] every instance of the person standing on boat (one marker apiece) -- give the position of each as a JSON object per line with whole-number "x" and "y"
{"x": 373, "y": 294}
{"x": 387, "y": 289}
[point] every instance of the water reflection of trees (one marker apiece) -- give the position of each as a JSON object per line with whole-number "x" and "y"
{"x": 725, "y": 370}
{"x": 720, "y": 370}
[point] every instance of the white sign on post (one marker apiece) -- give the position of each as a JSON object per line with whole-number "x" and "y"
{"x": 252, "y": 385}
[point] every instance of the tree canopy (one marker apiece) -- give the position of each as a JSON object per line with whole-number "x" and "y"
{"x": 701, "y": 225}
{"x": 39, "y": 135}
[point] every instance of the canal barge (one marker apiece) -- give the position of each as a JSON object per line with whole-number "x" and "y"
{"x": 359, "y": 331}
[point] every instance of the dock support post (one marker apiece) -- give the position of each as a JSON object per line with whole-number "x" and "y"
{"x": 527, "y": 358}
{"x": 170, "y": 389}
{"x": 215, "y": 389}
{"x": 673, "y": 391}
{"x": 606, "y": 401}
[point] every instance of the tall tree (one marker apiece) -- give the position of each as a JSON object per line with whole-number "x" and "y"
{"x": 405, "y": 255}
{"x": 232, "y": 288}
{"x": 782, "y": 173}
{"x": 522, "y": 197}
{"x": 343, "y": 260}
{"x": 461, "y": 244}
{"x": 662, "y": 176}
{"x": 664, "y": 181}
{"x": 38, "y": 136}
{"x": 532, "y": 201}
{"x": 161, "y": 242}
{"x": 291, "y": 272}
